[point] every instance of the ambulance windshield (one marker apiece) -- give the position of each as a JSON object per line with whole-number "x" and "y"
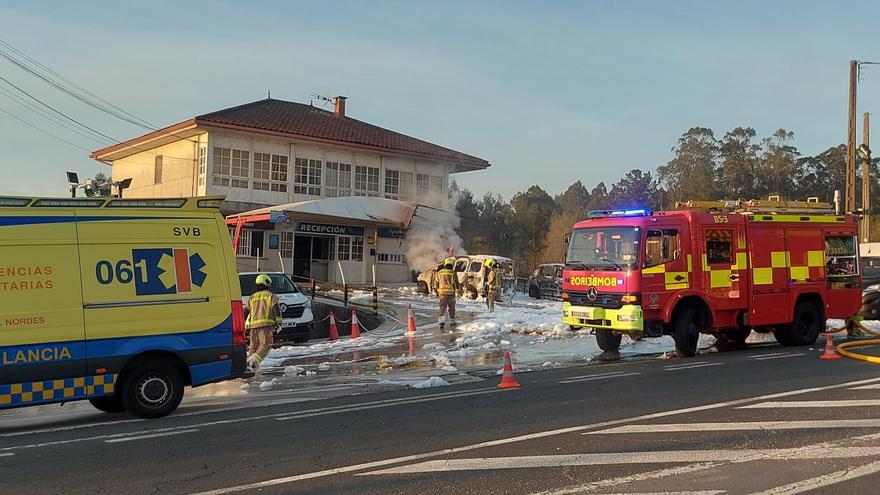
{"x": 604, "y": 248}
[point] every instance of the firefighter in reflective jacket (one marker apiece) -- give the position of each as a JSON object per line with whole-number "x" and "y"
{"x": 263, "y": 317}
{"x": 447, "y": 287}
{"x": 492, "y": 283}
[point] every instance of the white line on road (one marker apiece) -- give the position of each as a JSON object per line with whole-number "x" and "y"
{"x": 376, "y": 406}
{"x": 311, "y": 412}
{"x": 7, "y": 454}
{"x": 814, "y": 404}
{"x": 616, "y": 482}
{"x": 768, "y": 354}
{"x": 781, "y": 356}
{"x": 154, "y": 435}
{"x": 875, "y": 386}
{"x": 661, "y": 457}
{"x": 521, "y": 438}
{"x": 690, "y": 366}
{"x": 591, "y": 378}
{"x": 702, "y": 492}
{"x": 824, "y": 480}
{"x": 740, "y": 426}
{"x": 596, "y": 375}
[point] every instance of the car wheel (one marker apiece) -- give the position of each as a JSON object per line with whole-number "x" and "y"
{"x": 109, "y": 404}
{"x": 470, "y": 292}
{"x": 152, "y": 390}
{"x": 608, "y": 341}
{"x": 686, "y": 333}
{"x": 805, "y": 328}
{"x": 534, "y": 293}
{"x": 423, "y": 287}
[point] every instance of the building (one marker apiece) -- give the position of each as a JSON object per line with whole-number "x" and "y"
{"x": 272, "y": 152}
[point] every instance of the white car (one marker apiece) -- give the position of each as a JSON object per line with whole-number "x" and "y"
{"x": 295, "y": 306}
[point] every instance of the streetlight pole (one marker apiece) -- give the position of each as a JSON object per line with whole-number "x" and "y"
{"x": 849, "y": 203}
{"x": 865, "y": 152}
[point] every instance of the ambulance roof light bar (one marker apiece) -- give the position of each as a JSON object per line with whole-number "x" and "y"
{"x": 638, "y": 212}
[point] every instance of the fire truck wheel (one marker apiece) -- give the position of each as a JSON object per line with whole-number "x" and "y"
{"x": 608, "y": 341}
{"x": 805, "y": 328}
{"x": 686, "y": 332}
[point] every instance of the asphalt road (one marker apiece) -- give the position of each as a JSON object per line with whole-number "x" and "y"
{"x": 765, "y": 420}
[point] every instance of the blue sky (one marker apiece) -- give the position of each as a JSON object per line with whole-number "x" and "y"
{"x": 548, "y": 92}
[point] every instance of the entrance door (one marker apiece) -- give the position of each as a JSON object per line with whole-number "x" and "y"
{"x": 302, "y": 257}
{"x": 725, "y": 271}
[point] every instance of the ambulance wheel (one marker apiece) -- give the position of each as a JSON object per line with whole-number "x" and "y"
{"x": 423, "y": 288}
{"x": 608, "y": 341}
{"x": 805, "y": 328}
{"x": 534, "y": 293}
{"x": 686, "y": 332}
{"x": 152, "y": 390}
{"x": 109, "y": 404}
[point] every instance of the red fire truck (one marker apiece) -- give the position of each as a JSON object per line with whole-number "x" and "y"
{"x": 716, "y": 267}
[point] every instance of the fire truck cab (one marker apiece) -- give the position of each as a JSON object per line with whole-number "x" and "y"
{"x": 716, "y": 267}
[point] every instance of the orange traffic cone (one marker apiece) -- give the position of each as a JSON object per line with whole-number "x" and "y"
{"x": 334, "y": 332}
{"x": 411, "y": 323}
{"x": 830, "y": 350}
{"x": 355, "y": 325}
{"x": 507, "y": 378}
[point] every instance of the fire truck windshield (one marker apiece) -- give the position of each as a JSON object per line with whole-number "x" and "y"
{"x": 603, "y": 248}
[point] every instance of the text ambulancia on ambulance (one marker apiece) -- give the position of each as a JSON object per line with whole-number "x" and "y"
{"x": 120, "y": 302}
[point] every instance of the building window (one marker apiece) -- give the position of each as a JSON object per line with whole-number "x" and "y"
{"x": 307, "y": 177}
{"x": 357, "y": 249}
{"x": 343, "y": 248}
{"x": 337, "y": 179}
{"x": 262, "y": 171}
{"x": 231, "y": 167}
{"x": 286, "y": 244}
{"x": 394, "y": 258}
{"x": 366, "y": 181}
{"x": 406, "y": 186}
{"x": 399, "y": 185}
{"x": 203, "y": 164}
{"x": 244, "y": 241}
{"x": 279, "y": 174}
{"x": 423, "y": 185}
{"x": 157, "y": 169}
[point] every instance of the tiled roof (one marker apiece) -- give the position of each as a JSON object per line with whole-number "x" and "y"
{"x": 287, "y": 117}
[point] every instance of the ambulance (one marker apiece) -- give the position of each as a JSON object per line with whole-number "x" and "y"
{"x": 718, "y": 267}
{"x": 121, "y": 302}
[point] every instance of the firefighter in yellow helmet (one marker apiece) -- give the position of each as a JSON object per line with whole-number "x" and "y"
{"x": 492, "y": 283}
{"x": 447, "y": 287}
{"x": 263, "y": 317}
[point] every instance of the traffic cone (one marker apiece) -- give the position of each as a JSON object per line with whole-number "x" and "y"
{"x": 334, "y": 332}
{"x": 830, "y": 350}
{"x": 355, "y": 325}
{"x": 507, "y": 378}
{"x": 411, "y": 323}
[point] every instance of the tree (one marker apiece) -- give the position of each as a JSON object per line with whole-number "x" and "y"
{"x": 599, "y": 198}
{"x": 739, "y": 163}
{"x": 778, "y": 170}
{"x": 575, "y": 198}
{"x": 636, "y": 190}
{"x": 533, "y": 209}
{"x": 692, "y": 171}
{"x": 497, "y": 235}
{"x": 554, "y": 239}
{"x": 467, "y": 210}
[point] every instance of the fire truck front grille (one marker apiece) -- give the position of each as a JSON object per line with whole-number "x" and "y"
{"x": 608, "y": 300}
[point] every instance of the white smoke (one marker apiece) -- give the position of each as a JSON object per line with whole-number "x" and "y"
{"x": 432, "y": 237}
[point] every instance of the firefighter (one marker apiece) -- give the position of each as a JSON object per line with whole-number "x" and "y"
{"x": 263, "y": 316}
{"x": 492, "y": 283}
{"x": 447, "y": 287}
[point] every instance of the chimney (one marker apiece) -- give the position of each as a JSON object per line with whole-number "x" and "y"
{"x": 339, "y": 106}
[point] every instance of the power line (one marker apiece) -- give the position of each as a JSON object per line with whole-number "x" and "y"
{"x": 41, "y": 130}
{"x": 46, "y": 115}
{"x": 63, "y": 84}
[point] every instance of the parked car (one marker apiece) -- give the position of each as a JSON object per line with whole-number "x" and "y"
{"x": 471, "y": 273}
{"x": 546, "y": 282}
{"x": 296, "y": 308}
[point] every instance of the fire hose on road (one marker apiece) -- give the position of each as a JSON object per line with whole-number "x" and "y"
{"x": 843, "y": 347}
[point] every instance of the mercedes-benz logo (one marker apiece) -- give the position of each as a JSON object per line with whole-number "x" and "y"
{"x": 592, "y": 293}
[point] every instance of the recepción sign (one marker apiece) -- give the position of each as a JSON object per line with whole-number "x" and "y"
{"x": 321, "y": 228}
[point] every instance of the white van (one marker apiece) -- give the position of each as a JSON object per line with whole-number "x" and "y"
{"x": 296, "y": 309}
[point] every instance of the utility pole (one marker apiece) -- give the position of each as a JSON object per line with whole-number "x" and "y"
{"x": 865, "y": 151}
{"x": 850, "y": 177}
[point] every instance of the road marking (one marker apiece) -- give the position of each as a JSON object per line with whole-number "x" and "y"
{"x": 607, "y": 373}
{"x": 7, "y": 454}
{"x": 614, "y": 482}
{"x": 702, "y": 492}
{"x": 874, "y": 386}
{"x": 768, "y": 354}
{"x": 824, "y": 480}
{"x": 591, "y": 378}
{"x": 690, "y": 366}
{"x": 814, "y": 403}
{"x": 309, "y": 412}
{"x": 155, "y": 435}
{"x": 598, "y": 459}
{"x": 781, "y": 356}
{"x": 521, "y": 438}
{"x": 740, "y": 426}
{"x": 376, "y": 406}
